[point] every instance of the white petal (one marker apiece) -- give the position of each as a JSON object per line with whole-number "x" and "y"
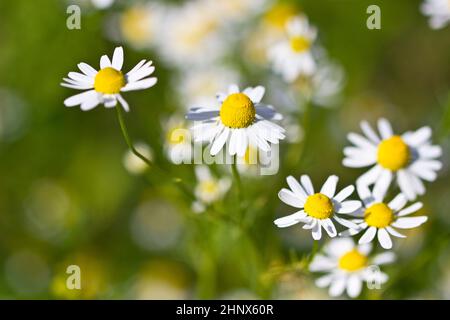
{"x": 87, "y": 69}
{"x": 346, "y": 223}
{"x": 290, "y": 220}
{"x": 321, "y": 263}
{"x": 337, "y": 287}
{"x": 409, "y": 222}
{"x": 360, "y": 141}
{"x": 382, "y": 185}
{"x": 329, "y": 227}
{"x": 317, "y": 231}
{"x": 307, "y": 184}
{"x": 79, "y": 98}
{"x": 384, "y": 258}
{"x": 117, "y": 60}
{"x": 296, "y": 188}
{"x": 90, "y": 103}
{"x": 290, "y": 198}
{"x": 385, "y": 128}
{"x": 219, "y": 142}
{"x": 124, "y": 104}
{"x": 344, "y": 193}
{"x": 405, "y": 184}
{"x": 349, "y": 206}
{"x": 255, "y": 94}
{"x": 139, "y": 85}
{"x": 329, "y": 187}
{"x": 394, "y": 232}
{"x": 368, "y": 235}
{"x": 104, "y": 62}
{"x": 398, "y": 202}
{"x": 325, "y": 280}
{"x": 369, "y": 132}
{"x": 418, "y": 137}
{"x": 384, "y": 239}
{"x": 370, "y": 176}
{"x": 354, "y": 286}
{"x": 429, "y": 152}
{"x": 412, "y": 208}
{"x": 337, "y": 247}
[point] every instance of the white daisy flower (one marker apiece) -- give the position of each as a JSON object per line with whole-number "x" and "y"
{"x": 209, "y": 189}
{"x": 104, "y": 86}
{"x": 438, "y": 11}
{"x": 133, "y": 163}
{"x": 348, "y": 266}
{"x": 317, "y": 209}
{"x": 292, "y": 57}
{"x": 409, "y": 157}
{"x": 241, "y": 120}
{"x": 381, "y": 218}
{"x": 189, "y": 32}
{"x": 178, "y": 143}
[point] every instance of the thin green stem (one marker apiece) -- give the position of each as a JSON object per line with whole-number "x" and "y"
{"x": 124, "y": 129}
{"x": 238, "y": 183}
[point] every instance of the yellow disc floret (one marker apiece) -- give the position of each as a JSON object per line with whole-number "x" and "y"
{"x": 300, "y": 44}
{"x": 237, "y": 111}
{"x": 393, "y": 153}
{"x": 378, "y": 215}
{"x": 319, "y": 206}
{"x": 352, "y": 261}
{"x": 109, "y": 81}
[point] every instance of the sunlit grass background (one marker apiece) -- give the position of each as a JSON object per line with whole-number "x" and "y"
{"x": 66, "y": 197}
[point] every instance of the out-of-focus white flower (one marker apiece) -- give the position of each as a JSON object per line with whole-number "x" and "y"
{"x": 178, "y": 142}
{"x": 199, "y": 86}
{"x": 191, "y": 35}
{"x": 141, "y": 24}
{"x": 239, "y": 10}
{"x": 209, "y": 189}
{"x": 102, "y": 4}
{"x": 317, "y": 209}
{"x": 293, "y": 57}
{"x": 348, "y": 266}
{"x": 133, "y": 163}
{"x": 242, "y": 120}
{"x": 410, "y": 158}
{"x": 381, "y": 219}
{"x": 438, "y": 12}
{"x": 104, "y": 86}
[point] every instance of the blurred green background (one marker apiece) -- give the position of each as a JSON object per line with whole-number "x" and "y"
{"x": 66, "y": 197}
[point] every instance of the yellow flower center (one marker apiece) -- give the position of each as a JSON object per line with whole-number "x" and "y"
{"x": 237, "y": 111}
{"x": 109, "y": 81}
{"x": 378, "y": 215}
{"x": 300, "y": 44}
{"x": 352, "y": 261}
{"x": 393, "y": 153}
{"x": 319, "y": 206}
{"x": 209, "y": 187}
{"x": 279, "y": 14}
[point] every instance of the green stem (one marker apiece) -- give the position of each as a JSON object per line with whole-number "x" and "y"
{"x": 238, "y": 183}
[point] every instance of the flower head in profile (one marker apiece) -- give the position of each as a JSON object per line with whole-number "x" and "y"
{"x": 409, "y": 157}
{"x": 104, "y": 86}
{"x": 348, "y": 266}
{"x": 240, "y": 121}
{"x": 209, "y": 189}
{"x": 317, "y": 209}
{"x": 293, "y": 57}
{"x": 438, "y": 11}
{"x": 379, "y": 218}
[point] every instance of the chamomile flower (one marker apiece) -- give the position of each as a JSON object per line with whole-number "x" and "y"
{"x": 438, "y": 12}
{"x": 189, "y": 32}
{"x": 379, "y": 218}
{"x": 348, "y": 266}
{"x": 104, "y": 86}
{"x": 316, "y": 209}
{"x": 409, "y": 157}
{"x": 178, "y": 144}
{"x": 209, "y": 189}
{"x": 293, "y": 57}
{"x": 240, "y": 120}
